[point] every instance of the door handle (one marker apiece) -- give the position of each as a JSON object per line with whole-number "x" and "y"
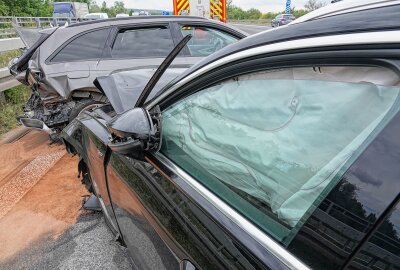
{"x": 186, "y": 265}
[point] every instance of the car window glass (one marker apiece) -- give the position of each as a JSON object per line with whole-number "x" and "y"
{"x": 206, "y": 41}
{"x": 140, "y": 43}
{"x": 351, "y": 210}
{"x": 85, "y": 47}
{"x": 382, "y": 251}
{"x": 273, "y": 144}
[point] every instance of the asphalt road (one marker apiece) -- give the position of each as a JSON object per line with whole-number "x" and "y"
{"x": 87, "y": 245}
{"x": 252, "y": 29}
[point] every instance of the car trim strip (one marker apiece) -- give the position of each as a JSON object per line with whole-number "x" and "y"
{"x": 343, "y": 8}
{"x": 271, "y": 245}
{"x": 326, "y": 41}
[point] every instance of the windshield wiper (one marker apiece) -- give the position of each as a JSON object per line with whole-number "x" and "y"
{"x": 160, "y": 71}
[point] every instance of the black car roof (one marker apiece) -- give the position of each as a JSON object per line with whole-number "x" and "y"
{"x": 377, "y": 19}
{"x": 140, "y": 18}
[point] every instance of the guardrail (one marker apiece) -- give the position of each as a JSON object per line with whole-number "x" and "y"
{"x": 6, "y": 80}
{"x": 256, "y": 21}
{"x": 38, "y": 22}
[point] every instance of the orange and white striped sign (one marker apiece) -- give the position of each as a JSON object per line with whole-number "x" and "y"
{"x": 211, "y": 9}
{"x": 181, "y": 7}
{"x": 218, "y": 10}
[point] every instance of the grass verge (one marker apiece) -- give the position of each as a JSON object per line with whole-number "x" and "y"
{"x": 5, "y": 57}
{"x": 12, "y": 106}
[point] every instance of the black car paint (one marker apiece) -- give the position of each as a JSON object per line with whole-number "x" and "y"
{"x": 154, "y": 186}
{"x": 167, "y": 208}
{"x": 163, "y": 210}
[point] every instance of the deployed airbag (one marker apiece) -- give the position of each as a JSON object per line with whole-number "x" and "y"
{"x": 280, "y": 141}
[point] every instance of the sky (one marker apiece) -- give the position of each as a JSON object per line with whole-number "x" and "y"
{"x": 263, "y": 5}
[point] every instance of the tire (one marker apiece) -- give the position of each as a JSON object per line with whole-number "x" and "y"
{"x": 81, "y": 106}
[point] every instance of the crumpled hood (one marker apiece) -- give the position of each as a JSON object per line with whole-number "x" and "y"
{"x": 124, "y": 88}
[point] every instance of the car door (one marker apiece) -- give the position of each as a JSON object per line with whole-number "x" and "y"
{"x": 138, "y": 47}
{"x": 260, "y": 167}
{"x": 95, "y": 137}
{"x": 73, "y": 66}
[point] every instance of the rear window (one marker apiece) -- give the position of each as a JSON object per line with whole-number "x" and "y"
{"x": 85, "y": 47}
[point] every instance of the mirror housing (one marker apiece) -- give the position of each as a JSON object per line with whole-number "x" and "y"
{"x": 134, "y": 132}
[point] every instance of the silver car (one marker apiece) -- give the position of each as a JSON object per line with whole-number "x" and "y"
{"x": 63, "y": 63}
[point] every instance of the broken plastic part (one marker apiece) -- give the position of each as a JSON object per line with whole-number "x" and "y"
{"x": 92, "y": 203}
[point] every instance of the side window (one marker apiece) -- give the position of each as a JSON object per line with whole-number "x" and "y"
{"x": 140, "y": 43}
{"x": 352, "y": 209}
{"x": 206, "y": 41}
{"x": 85, "y": 47}
{"x": 274, "y": 144}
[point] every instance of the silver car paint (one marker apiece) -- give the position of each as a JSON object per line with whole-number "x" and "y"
{"x": 62, "y": 79}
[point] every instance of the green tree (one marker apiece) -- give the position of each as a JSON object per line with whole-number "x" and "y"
{"x": 94, "y": 7}
{"x": 104, "y": 7}
{"x": 119, "y": 7}
{"x": 253, "y": 14}
{"x": 25, "y": 8}
{"x": 235, "y": 13}
{"x": 298, "y": 12}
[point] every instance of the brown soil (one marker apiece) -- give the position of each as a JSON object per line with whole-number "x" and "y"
{"x": 49, "y": 199}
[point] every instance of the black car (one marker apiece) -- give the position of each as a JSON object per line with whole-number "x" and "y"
{"x": 281, "y": 151}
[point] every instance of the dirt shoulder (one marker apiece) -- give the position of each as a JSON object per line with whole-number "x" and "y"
{"x": 41, "y": 221}
{"x": 39, "y": 190}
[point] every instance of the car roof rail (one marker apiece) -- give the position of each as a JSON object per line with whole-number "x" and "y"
{"x": 133, "y": 18}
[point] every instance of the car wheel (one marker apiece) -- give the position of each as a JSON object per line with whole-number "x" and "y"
{"x": 82, "y": 105}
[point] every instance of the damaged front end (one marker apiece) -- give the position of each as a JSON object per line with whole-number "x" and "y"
{"x": 50, "y": 117}
{"x": 54, "y": 116}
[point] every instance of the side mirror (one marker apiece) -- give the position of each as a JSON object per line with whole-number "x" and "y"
{"x": 134, "y": 132}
